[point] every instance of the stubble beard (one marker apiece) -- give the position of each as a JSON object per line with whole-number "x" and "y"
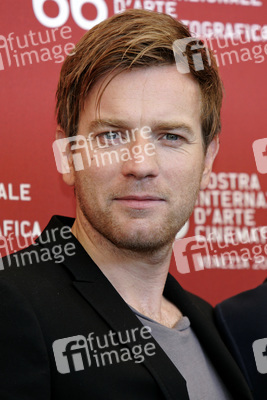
{"x": 159, "y": 236}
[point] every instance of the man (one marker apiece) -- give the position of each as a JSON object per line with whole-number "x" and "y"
{"x": 242, "y": 320}
{"x": 107, "y": 321}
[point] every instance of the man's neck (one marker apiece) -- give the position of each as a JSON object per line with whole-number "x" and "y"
{"x": 138, "y": 277}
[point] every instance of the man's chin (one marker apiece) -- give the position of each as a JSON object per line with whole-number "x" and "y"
{"x": 142, "y": 242}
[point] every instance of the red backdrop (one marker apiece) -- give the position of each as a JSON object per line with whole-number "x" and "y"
{"x": 34, "y": 38}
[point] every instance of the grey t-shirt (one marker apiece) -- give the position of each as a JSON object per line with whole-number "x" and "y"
{"x": 183, "y": 348}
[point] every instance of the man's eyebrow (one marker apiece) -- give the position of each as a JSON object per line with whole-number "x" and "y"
{"x": 155, "y": 126}
{"x": 102, "y": 123}
{"x": 172, "y": 126}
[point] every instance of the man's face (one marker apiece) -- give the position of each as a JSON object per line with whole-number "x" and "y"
{"x": 141, "y": 205}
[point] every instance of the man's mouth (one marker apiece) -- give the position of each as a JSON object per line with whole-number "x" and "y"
{"x": 140, "y": 201}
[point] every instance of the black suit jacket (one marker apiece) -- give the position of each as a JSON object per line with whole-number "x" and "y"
{"x": 43, "y": 301}
{"x": 242, "y": 320}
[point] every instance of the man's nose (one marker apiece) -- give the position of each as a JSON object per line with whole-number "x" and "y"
{"x": 142, "y": 160}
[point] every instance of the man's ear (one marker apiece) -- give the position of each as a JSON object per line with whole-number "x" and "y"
{"x": 64, "y": 157}
{"x": 211, "y": 153}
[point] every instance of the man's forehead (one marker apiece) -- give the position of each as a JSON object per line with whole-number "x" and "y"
{"x": 153, "y": 96}
{"x": 149, "y": 79}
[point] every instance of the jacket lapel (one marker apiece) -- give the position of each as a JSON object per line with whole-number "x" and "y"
{"x": 102, "y": 296}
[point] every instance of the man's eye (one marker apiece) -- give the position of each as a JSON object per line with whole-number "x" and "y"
{"x": 171, "y": 136}
{"x": 111, "y": 135}
{"x": 108, "y": 138}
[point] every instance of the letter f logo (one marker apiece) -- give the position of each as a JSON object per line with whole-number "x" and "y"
{"x": 191, "y": 254}
{"x": 260, "y": 353}
{"x": 71, "y": 354}
{"x": 79, "y": 150}
{"x": 190, "y": 48}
